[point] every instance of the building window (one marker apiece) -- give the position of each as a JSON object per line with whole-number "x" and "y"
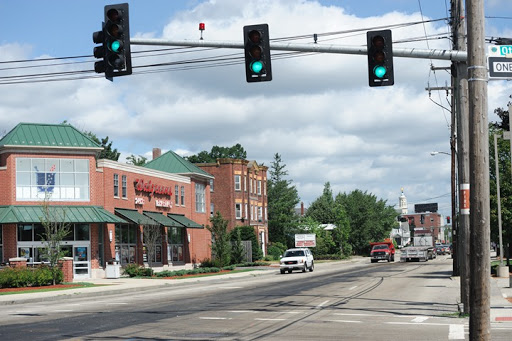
{"x": 124, "y": 186}
{"x": 212, "y": 209}
{"x": 177, "y": 194}
{"x": 259, "y": 187}
{"x": 200, "y": 198}
{"x": 176, "y": 238}
{"x": 246, "y": 212}
{"x": 211, "y": 185}
{"x": 238, "y": 211}
{"x": 265, "y": 188}
{"x": 245, "y": 184}
{"x": 116, "y": 185}
{"x": 252, "y": 214}
{"x": 182, "y": 195}
{"x": 1, "y": 247}
{"x": 126, "y": 243}
{"x": 237, "y": 183}
{"x": 58, "y": 179}
{"x": 260, "y": 213}
{"x": 250, "y": 185}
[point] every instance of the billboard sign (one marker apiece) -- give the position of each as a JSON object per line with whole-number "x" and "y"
{"x": 305, "y": 240}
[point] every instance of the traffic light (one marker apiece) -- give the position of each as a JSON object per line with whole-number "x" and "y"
{"x": 98, "y": 37}
{"x": 258, "y": 67}
{"x": 116, "y": 32}
{"x": 380, "y": 58}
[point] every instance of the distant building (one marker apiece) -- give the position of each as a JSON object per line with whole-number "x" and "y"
{"x": 239, "y": 193}
{"x": 402, "y": 234}
{"x": 425, "y": 221}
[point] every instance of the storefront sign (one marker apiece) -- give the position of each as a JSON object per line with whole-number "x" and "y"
{"x": 305, "y": 240}
{"x": 139, "y": 201}
{"x": 163, "y": 203}
{"x": 142, "y": 186}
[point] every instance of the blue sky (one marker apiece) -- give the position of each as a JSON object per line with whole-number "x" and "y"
{"x": 322, "y": 119}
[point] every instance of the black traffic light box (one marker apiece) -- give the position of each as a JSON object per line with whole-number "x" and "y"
{"x": 258, "y": 66}
{"x": 115, "y": 40}
{"x": 380, "y": 58}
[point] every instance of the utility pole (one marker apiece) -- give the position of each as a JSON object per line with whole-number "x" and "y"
{"x": 462, "y": 118}
{"x": 479, "y": 319}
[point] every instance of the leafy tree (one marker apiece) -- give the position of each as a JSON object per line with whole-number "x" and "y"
{"x": 282, "y": 200}
{"x": 234, "y": 152}
{"x": 152, "y": 235}
{"x": 136, "y": 160}
{"x": 55, "y": 230}
{"x": 221, "y": 245}
{"x": 370, "y": 219}
{"x": 248, "y": 233}
{"x": 504, "y": 160}
{"x": 237, "y": 248}
{"x": 341, "y": 234}
{"x": 107, "y": 152}
{"x": 322, "y": 209}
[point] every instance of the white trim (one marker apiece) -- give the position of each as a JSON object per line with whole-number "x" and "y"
{"x": 106, "y": 163}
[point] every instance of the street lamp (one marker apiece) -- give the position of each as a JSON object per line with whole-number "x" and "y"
{"x": 435, "y": 153}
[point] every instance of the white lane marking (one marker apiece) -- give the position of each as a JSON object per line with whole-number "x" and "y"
{"x": 355, "y": 286}
{"x": 367, "y": 315}
{"x": 322, "y": 304}
{"x": 415, "y": 323}
{"x": 231, "y": 287}
{"x": 117, "y": 303}
{"x": 263, "y": 319}
{"x": 243, "y": 311}
{"x": 214, "y": 318}
{"x": 62, "y": 311}
{"x": 456, "y": 332}
{"x": 344, "y": 321}
{"x": 420, "y": 319}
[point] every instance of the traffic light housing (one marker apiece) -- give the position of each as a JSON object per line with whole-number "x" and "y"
{"x": 98, "y": 37}
{"x": 380, "y": 58}
{"x": 258, "y": 66}
{"x": 116, "y": 33}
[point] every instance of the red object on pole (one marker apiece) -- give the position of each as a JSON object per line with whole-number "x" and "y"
{"x": 201, "y": 26}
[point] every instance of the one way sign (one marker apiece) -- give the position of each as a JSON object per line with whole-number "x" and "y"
{"x": 500, "y": 67}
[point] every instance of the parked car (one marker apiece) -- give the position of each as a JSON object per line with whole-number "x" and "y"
{"x": 297, "y": 259}
{"x": 447, "y": 248}
{"x": 440, "y": 249}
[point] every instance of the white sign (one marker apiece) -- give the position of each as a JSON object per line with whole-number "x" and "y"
{"x": 500, "y": 67}
{"x": 139, "y": 201}
{"x": 305, "y": 240}
{"x": 163, "y": 203}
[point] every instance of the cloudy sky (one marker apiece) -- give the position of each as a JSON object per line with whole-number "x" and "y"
{"x": 318, "y": 112}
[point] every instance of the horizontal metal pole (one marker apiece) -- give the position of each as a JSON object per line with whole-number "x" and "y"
{"x": 453, "y": 55}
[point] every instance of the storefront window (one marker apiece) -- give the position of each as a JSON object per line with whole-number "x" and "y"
{"x": 175, "y": 236}
{"x": 1, "y": 246}
{"x": 57, "y": 179}
{"x": 126, "y": 243}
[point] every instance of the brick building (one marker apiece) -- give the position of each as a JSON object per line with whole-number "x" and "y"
{"x": 239, "y": 193}
{"x": 107, "y": 203}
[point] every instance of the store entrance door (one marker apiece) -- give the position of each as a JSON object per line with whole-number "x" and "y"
{"x": 81, "y": 253}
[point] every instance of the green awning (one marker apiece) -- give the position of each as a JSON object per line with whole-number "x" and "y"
{"x": 180, "y": 218}
{"x": 65, "y": 213}
{"x": 134, "y": 216}
{"x": 162, "y": 219}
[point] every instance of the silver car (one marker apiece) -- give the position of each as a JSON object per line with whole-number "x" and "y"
{"x": 297, "y": 259}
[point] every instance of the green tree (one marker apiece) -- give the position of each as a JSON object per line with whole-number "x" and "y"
{"x": 234, "y": 152}
{"x": 504, "y": 160}
{"x": 282, "y": 200}
{"x": 136, "y": 160}
{"x": 107, "y": 152}
{"x": 55, "y": 229}
{"x": 248, "y": 233}
{"x": 221, "y": 247}
{"x": 322, "y": 209}
{"x": 237, "y": 247}
{"x": 370, "y": 219}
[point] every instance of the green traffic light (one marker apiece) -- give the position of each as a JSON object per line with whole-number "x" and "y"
{"x": 115, "y": 46}
{"x": 256, "y": 66}
{"x": 379, "y": 71}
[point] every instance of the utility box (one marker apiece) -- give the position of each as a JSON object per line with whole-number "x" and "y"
{"x": 113, "y": 269}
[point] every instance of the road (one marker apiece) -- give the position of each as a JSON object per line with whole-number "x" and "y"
{"x": 338, "y": 301}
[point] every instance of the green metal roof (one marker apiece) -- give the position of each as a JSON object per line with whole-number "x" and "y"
{"x": 65, "y": 213}
{"x": 171, "y": 162}
{"x": 47, "y": 135}
{"x": 162, "y": 219}
{"x": 180, "y": 218}
{"x": 135, "y": 216}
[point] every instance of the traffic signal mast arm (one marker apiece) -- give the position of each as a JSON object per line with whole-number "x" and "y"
{"x": 453, "y": 55}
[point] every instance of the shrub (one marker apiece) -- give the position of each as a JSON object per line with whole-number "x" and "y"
{"x": 26, "y": 277}
{"x": 276, "y": 249}
{"x": 136, "y": 270}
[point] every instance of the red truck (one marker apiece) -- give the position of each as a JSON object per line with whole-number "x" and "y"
{"x": 384, "y": 250}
